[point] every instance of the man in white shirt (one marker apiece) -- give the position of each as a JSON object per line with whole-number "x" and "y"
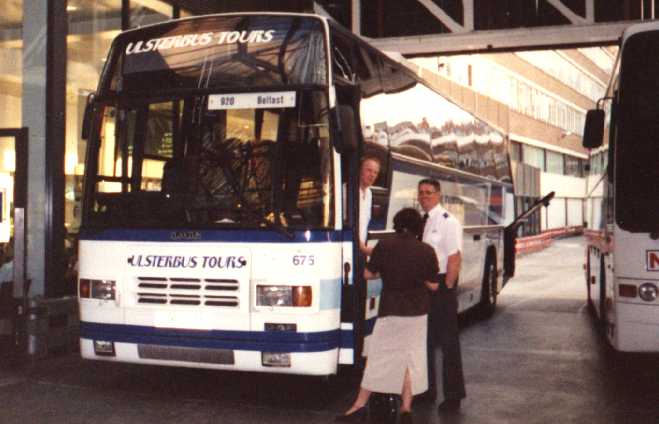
{"x": 443, "y": 232}
{"x": 368, "y": 173}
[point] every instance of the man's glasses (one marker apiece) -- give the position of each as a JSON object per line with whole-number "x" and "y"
{"x": 427, "y": 192}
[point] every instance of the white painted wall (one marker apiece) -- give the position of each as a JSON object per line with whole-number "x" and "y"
{"x": 569, "y": 194}
{"x": 563, "y": 185}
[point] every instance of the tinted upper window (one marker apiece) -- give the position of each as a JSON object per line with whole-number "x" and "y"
{"x": 220, "y": 51}
{"x": 636, "y": 146}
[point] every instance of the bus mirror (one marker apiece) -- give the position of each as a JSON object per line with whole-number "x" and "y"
{"x": 348, "y": 141}
{"x": 87, "y": 117}
{"x": 594, "y": 130}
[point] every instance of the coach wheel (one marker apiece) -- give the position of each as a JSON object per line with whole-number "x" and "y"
{"x": 489, "y": 295}
{"x": 591, "y": 307}
{"x": 602, "y": 300}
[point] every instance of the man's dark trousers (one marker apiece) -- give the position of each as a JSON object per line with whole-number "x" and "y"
{"x": 443, "y": 330}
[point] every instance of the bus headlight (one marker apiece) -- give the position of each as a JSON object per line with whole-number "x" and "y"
{"x": 647, "y": 292}
{"x": 283, "y": 296}
{"x": 97, "y": 289}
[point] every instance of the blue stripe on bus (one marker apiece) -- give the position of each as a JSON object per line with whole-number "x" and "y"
{"x": 225, "y": 235}
{"x": 347, "y": 339}
{"x": 262, "y": 341}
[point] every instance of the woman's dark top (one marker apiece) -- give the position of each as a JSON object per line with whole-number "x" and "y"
{"x": 404, "y": 263}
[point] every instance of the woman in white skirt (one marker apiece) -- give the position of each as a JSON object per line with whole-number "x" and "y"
{"x": 396, "y": 351}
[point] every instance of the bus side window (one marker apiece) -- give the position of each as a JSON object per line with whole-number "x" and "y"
{"x": 368, "y": 73}
{"x": 342, "y": 59}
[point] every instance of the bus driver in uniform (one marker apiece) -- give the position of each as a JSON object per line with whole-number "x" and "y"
{"x": 443, "y": 232}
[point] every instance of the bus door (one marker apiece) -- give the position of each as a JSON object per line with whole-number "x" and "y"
{"x": 510, "y": 235}
{"x": 353, "y": 293}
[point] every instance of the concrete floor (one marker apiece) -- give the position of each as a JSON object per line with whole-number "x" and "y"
{"x": 537, "y": 360}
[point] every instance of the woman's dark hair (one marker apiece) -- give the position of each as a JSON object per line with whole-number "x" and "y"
{"x": 408, "y": 220}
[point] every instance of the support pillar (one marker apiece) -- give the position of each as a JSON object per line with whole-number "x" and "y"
{"x": 44, "y": 105}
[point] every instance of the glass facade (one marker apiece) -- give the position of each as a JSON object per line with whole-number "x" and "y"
{"x": 11, "y": 80}
{"x": 11, "y": 64}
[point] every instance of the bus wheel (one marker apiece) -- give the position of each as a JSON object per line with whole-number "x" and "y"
{"x": 489, "y": 293}
{"x": 589, "y": 276}
{"x": 601, "y": 319}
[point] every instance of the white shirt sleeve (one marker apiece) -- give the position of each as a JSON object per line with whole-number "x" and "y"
{"x": 365, "y": 214}
{"x": 453, "y": 236}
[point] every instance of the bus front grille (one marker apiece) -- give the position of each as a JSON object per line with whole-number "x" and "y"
{"x": 211, "y": 292}
{"x": 186, "y": 354}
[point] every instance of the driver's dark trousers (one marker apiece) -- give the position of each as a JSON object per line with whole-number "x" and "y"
{"x": 443, "y": 331}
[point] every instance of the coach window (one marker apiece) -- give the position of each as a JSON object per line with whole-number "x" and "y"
{"x": 92, "y": 26}
{"x": 157, "y": 148}
{"x": 342, "y": 59}
{"x": 145, "y": 12}
{"x": 395, "y": 79}
{"x": 367, "y": 68}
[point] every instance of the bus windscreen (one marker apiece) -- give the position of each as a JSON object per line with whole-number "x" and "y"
{"x": 216, "y": 52}
{"x": 242, "y": 160}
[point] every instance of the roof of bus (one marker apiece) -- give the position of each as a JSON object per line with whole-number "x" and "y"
{"x": 638, "y": 28}
{"x": 216, "y": 15}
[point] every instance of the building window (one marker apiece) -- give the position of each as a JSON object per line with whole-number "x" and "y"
{"x": 532, "y": 225}
{"x": 559, "y": 66}
{"x": 554, "y": 163}
{"x": 515, "y": 151}
{"x": 533, "y": 156}
{"x": 573, "y": 166}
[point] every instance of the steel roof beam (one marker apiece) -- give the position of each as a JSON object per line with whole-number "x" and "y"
{"x": 562, "y": 36}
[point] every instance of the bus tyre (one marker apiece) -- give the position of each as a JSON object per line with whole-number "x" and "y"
{"x": 591, "y": 307}
{"x": 601, "y": 319}
{"x": 489, "y": 294}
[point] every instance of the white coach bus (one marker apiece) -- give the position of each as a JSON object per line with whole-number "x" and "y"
{"x": 219, "y": 150}
{"x": 622, "y": 255}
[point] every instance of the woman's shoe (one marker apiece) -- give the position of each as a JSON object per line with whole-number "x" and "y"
{"x": 358, "y": 415}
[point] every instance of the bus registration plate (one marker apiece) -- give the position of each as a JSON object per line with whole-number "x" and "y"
{"x": 180, "y": 321}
